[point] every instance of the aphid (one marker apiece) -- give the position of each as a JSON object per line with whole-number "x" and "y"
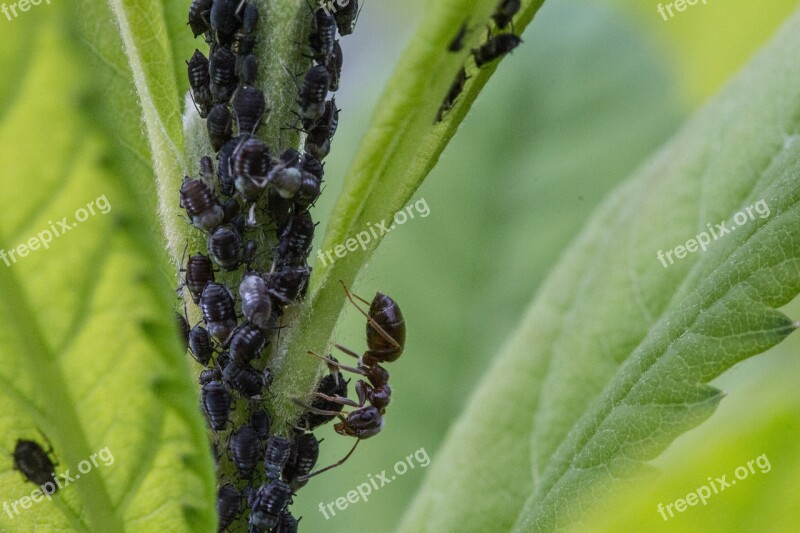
{"x": 222, "y": 69}
{"x": 276, "y": 455}
{"x": 248, "y": 70}
{"x": 332, "y": 385}
{"x": 334, "y": 66}
{"x": 232, "y": 210}
{"x": 199, "y": 271}
{"x": 245, "y": 451}
{"x": 304, "y": 458}
{"x": 201, "y": 204}
{"x": 249, "y": 107}
{"x": 208, "y": 375}
{"x": 314, "y": 166}
{"x": 247, "y": 343}
{"x": 200, "y": 82}
{"x": 346, "y": 17}
{"x": 295, "y": 240}
{"x": 225, "y": 247}
{"x": 279, "y": 209}
{"x": 199, "y": 12}
{"x": 226, "y": 181}
{"x": 183, "y": 328}
{"x": 268, "y": 503}
{"x": 245, "y": 38}
{"x": 206, "y": 168}
{"x": 318, "y": 140}
{"x": 323, "y": 35}
{"x": 495, "y": 47}
{"x": 504, "y": 12}
{"x": 225, "y": 19}
{"x": 229, "y": 504}
{"x": 452, "y": 94}
{"x": 223, "y": 361}
{"x": 457, "y": 44}
{"x": 261, "y": 422}
{"x": 286, "y": 523}
{"x": 216, "y": 304}
{"x": 289, "y": 285}
{"x": 35, "y": 464}
{"x": 220, "y": 126}
{"x": 244, "y": 378}
{"x": 313, "y": 94}
{"x": 217, "y": 404}
{"x": 256, "y": 302}
{"x": 200, "y": 344}
{"x": 295, "y": 184}
{"x": 250, "y": 164}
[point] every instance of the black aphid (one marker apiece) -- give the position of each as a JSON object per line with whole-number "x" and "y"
{"x": 225, "y": 247}
{"x": 295, "y": 240}
{"x": 207, "y": 169}
{"x": 200, "y": 82}
{"x": 505, "y": 11}
{"x": 304, "y": 458}
{"x": 244, "y": 378}
{"x": 268, "y": 504}
{"x": 334, "y": 66}
{"x": 218, "y": 312}
{"x": 286, "y": 523}
{"x": 318, "y": 140}
{"x": 208, "y": 375}
{"x": 229, "y": 504}
{"x": 289, "y": 285}
{"x": 183, "y": 328}
{"x": 245, "y": 451}
{"x": 248, "y": 107}
{"x": 217, "y": 404}
{"x": 200, "y": 344}
{"x": 199, "y": 16}
{"x": 222, "y": 69}
{"x": 220, "y": 126}
{"x": 276, "y": 455}
{"x": 226, "y": 182}
{"x": 250, "y": 164}
{"x": 248, "y": 70}
{"x": 35, "y": 464}
{"x": 346, "y": 17}
{"x": 247, "y": 343}
{"x": 313, "y": 94}
{"x": 323, "y": 35}
{"x": 201, "y": 204}
{"x": 457, "y": 44}
{"x": 199, "y": 271}
{"x": 495, "y": 47}
{"x": 261, "y": 422}
{"x": 452, "y": 94}
{"x": 225, "y": 19}
{"x": 256, "y": 302}
{"x": 245, "y": 38}
{"x": 330, "y": 385}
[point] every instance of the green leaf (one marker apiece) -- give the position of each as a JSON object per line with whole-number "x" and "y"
{"x": 614, "y": 357}
{"x": 398, "y": 151}
{"x": 90, "y": 358}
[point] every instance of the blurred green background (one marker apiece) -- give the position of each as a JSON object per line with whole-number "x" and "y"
{"x": 593, "y": 91}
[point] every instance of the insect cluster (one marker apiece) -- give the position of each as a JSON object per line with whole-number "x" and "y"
{"x": 497, "y": 45}
{"x": 246, "y": 185}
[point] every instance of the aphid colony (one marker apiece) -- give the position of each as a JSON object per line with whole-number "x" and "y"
{"x": 243, "y": 186}
{"x": 495, "y": 47}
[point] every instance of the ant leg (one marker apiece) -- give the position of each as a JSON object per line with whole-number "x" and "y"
{"x": 338, "y": 365}
{"x": 334, "y": 465}
{"x": 338, "y": 399}
{"x": 315, "y": 410}
{"x": 348, "y": 351}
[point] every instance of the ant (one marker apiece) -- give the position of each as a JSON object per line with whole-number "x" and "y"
{"x": 386, "y": 334}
